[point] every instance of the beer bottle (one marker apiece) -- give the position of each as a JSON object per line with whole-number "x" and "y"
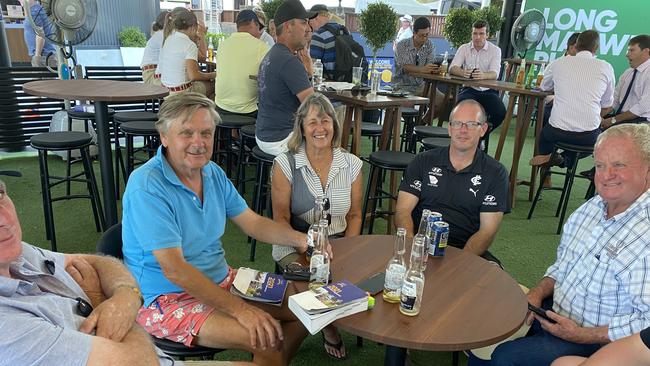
{"x": 422, "y": 232}
{"x": 530, "y": 77}
{"x": 521, "y": 74}
{"x": 319, "y": 265}
{"x": 540, "y": 75}
{"x": 413, "y": 286}
{"x": 396, "y": 269}
{"x": 445, "y": 64}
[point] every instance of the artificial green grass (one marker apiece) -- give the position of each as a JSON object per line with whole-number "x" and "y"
{"x": 525, "y": 247}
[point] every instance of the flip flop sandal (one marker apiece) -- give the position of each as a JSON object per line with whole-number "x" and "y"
{"x": 338, "y": 346}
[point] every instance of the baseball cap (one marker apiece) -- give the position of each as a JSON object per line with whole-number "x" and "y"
{"x": 406, "y": 18}
{"x": 291, "y": 9}
{"x": 247, "y": 15}
{"x": 318, "y": 8}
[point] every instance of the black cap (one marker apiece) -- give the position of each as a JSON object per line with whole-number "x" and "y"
{"x": 318, "y": 8}
{"x": 247, "y": 15}
{"x": 291, "y": 9}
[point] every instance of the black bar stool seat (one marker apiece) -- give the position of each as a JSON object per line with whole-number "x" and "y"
{"x": 235, "y": 120}
{"x": 420, "y": 132}
{"x": 139, "y": 127}
{"x": 86, "y": 115}
{"x": 223, "y": 152}
{"x": 146, "y": 129}
{"x": 429, "y": 143}
{"x": 379, "y": 161}
{"x": 135, "y": 116}
{"x": 66, "y": 141}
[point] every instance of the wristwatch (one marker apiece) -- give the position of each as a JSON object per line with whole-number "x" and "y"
{"x": 613, "y": 120}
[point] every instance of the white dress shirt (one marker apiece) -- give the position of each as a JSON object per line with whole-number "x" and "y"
{"x": 583, "y": 85}
{"x": 486, "y": 59}
{"x": 638, "y": 102}
{"x": 152, "y": 50}
{"x": 177, "y": 48}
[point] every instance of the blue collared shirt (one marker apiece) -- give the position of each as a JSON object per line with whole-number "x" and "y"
{"x": 161, "y": 212}
{"x": 41, "y": 21}
{"x": 602, "y": 272}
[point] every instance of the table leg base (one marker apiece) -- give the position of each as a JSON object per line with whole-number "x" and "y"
{"x": 395, "y": 356}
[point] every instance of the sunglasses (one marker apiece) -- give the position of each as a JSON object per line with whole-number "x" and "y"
{"x": 363, "y": 90}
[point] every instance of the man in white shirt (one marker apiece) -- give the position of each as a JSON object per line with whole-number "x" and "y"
{"x": 632, "y": 94}
{"x": 404, "y": 32}
{"x": 584, "y": 91}
{"x": 481, "y": 60}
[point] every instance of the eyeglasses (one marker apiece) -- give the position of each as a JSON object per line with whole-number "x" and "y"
{"x": 471, "y": 125}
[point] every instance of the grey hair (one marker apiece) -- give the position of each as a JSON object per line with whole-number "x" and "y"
{"x": 181, "y": 107}
{"x": 323, "y": 106}
{"x": 639, "y": 133}
{"x": 481, "y": 117}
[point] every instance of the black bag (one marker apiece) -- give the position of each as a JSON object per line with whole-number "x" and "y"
{"x": 349, "y": 53}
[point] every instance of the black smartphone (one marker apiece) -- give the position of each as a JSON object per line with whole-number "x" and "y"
{"x": 373, "y": 284}
{"x": 541, "y": 312}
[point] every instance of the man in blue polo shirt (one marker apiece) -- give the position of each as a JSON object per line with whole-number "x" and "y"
{"x": 464, "y": 184}
{"x": 174, "y": 215}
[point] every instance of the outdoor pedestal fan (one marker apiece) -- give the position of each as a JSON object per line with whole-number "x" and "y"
{"x": 527, "y": 31}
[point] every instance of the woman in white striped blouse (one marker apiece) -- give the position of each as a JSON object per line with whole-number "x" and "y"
{"x": 314, "y": 166}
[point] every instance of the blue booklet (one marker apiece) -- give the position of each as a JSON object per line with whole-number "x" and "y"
{"x": 259, "y": 286}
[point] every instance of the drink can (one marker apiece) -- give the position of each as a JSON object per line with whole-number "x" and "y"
{"x": 440, "y": 238}
{"x": 435, "y": 216}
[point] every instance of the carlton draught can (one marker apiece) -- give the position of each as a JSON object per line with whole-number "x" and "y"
{"x": 440, "y": 237}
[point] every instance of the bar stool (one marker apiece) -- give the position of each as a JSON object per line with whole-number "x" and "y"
{"x": 224, "y": 141}
{"x": 380, "y": 161}
{"x": 146, "y": 129}
{"x": 373, "y": 131}
{"x": 420, "y": 132}
{"x": 246, "y": 140}
{"x": 430, "y": 143}
{"x": 410, "y": 116}
{"x": 61, "y": 141}
{"x": 119, "y": 118}
{"x": 262, "y": 194}
{"x": 86, "y": 117}
{"x": 575, "y": 151}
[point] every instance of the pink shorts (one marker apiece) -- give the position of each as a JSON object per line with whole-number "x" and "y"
{"x": 178, "y": 316}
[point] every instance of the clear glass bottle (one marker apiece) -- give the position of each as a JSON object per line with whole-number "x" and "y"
{"x": 444, "y": 66}
{"x": 210, "y": 50}
{"x": 396, "y": 269}
{"x": 413, "y": 286}
{"x": 319, "y": 266}
{"x": 375, "y": 80}
{"x": 322, "y": 213}
{"x": 318, "y": 73}
{"x": 540, "y": 75}
{"x": 422, "y": 233}
{"x": 521, "y": 73}
{"x": 530, "y": 77}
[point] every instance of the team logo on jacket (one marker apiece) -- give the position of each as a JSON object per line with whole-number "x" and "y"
{"x": 417, "y": 185}
{"x": 476, "y": 180}
{"x": 433, "y": 181}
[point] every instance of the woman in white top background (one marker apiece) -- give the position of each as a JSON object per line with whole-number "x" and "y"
{"x": 178, "y": 64}
{"x": 149, "y": 63}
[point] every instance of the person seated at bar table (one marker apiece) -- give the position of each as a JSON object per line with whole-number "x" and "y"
{"x": 464, "y": 184}
{"x": 178, "y": 64}
{"x": 316, "y": 166}
{"x": 151, "y": 55}
{"x": 175, "y": 210}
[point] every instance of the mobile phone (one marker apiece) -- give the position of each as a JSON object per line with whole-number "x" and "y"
{"x": 373, "y": 284}
{"x": 541, "y": 312}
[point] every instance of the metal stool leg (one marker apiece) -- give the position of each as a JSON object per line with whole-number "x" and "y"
{"x": 50, "y": 233}
{"x": 571, "y": 172}
{"x": 92, "y": 189}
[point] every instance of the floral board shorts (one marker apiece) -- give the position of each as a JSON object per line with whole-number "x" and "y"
{"x": 178, "y": 316}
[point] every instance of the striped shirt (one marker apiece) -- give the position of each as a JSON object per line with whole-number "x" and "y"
{"x": 344, "y": 170}
{"x": 638, "y": 102}
{"x": 583, "y": 85}
{"x": 323, "y": 47}
{"x": 407, "y": 54}
{"x": 485, "y": 59}
{"x": 595, "y": 287}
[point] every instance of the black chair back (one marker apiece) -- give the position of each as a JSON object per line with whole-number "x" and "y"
{"x": 111, "y": 242}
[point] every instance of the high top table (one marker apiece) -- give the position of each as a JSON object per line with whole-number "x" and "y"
{"x": 467, "y": 303}
{"x": 101, "y": 92}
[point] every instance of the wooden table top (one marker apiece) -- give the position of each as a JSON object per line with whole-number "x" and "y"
{"x": 467, "y": 303}
{"x": 492, "y": 84}
{"x": 96, "y": 90}
{"x": 374, "y": 100}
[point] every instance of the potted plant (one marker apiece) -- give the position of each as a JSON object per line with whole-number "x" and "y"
{"x": 132, "y": 42}
{"x": 458, "y": 23}
{"x": 269, "y": 7}
{"x": 378, "y": 25}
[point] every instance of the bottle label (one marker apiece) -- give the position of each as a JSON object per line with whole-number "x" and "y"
{"x": 310, "y": 237}
{"x": 394, "y": 276}
{"x": 319, "y": 270}
{"x": 408, "y": 295}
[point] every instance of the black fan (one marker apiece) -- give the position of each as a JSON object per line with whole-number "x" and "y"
{"x": 527, "y": 31}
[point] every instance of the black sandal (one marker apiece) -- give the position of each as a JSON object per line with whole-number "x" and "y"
{"x": 338, "y": 346}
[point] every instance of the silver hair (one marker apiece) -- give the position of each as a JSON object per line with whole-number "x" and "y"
{"x": 639, "y": 133}
{"x": 323, "y": 106}
{"x": 181, "y": 107}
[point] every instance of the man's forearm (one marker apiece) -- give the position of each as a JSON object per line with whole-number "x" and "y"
{"x": 598, "y": 335}
{"x": 479, "y": 242}
{"x": 40, "y": 43}
{"x": 404, "y": 220}
{"x": 625, "y": 116}
{"x": 269, "y": 231}
{"x": 111, "y": 272}
{"x": 543, "y": 289}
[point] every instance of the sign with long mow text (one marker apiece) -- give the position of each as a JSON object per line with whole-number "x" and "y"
{"x": 616, "y": 21}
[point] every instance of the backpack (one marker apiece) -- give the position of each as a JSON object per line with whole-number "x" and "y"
{"x": 349, "y": 53}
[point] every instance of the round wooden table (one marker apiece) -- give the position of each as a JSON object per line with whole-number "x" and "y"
{"x": 467, "y": 303}
{"x": 100, "y": 92}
